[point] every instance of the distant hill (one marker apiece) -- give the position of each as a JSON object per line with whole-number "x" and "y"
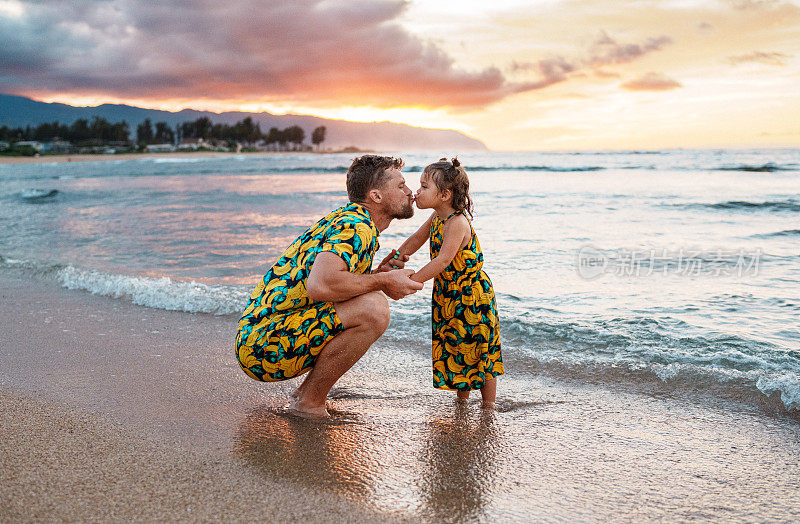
{"x": 16, "y": 111}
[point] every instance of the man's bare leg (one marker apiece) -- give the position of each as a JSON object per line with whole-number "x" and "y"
{"x": 462, "y": 396}
{"x": 365, "y": 318}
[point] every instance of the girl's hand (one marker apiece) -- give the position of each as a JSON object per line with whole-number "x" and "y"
{"x": 398, "y": 284}
{"x": 393, "y": 260}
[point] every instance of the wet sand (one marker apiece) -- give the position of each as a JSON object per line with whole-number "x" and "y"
{"x": 157, "y": 395}
{"x": 66, "y": 464}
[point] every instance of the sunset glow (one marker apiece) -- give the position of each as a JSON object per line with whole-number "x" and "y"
{"x": 517, "y": 75}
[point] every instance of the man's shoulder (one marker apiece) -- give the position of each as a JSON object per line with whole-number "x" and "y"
{"x": 351, "y": 215}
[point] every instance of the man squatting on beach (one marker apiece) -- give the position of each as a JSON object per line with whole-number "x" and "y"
{"x": 319, "y": 307}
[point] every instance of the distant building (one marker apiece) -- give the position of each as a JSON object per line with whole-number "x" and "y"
{"x": 58, "y": 146}
{"x": 97, "y": 150}
{"x": 159, "y": 148}
{"x": 4, "y": 145}
{"x": 30, "y": 143}
{"x": 193, "y": 144}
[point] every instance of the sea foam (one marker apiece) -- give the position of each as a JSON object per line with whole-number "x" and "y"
{"x": 161, "y": 293}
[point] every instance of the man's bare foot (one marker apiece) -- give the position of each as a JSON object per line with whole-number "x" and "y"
{"x": 297, "y": 407}
{"x": 460, "y": 400}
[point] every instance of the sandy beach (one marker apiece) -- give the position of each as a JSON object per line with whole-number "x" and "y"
{"x": 106, "y": 401}
{"x": 47, "y": 159}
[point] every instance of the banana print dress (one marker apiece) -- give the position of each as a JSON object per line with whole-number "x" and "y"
{"x": 282, "y": 330}
{"x": 466, "y": 338}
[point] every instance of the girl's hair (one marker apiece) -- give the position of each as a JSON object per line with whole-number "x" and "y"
{"x": 452, "y": 177}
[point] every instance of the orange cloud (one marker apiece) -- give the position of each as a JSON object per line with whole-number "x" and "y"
{"x": 651, "y": 82}
{"x": 337, "y": 53}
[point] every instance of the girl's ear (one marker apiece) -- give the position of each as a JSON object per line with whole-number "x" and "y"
{"x": 446, "y": 195}
{"x": 375, "y": 195}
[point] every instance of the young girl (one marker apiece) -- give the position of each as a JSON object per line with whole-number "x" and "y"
{"x": 466, "y": 340}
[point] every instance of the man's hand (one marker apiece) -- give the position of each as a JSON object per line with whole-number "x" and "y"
{"x": 393, "y": 260}
{"x": 398, "y": 284}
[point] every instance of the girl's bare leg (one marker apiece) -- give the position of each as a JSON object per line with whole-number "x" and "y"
{"x": 462, "y": 396}
{"x": 489, "y": 392}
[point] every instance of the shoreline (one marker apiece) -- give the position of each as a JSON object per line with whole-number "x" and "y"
{"x": 66, "y": 158}
{"x": 395, "y": 449}
{"x": 50, "y": 159}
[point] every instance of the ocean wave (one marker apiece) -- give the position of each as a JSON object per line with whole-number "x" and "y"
{"x": 170, "y": 160}
{"x": 418, "y": 169}
{"x": 769, "y": 167}
{"x": 643, "y": 352}
{"x": 160, "y": 293}
{"x": 640, "y": 350}
{"x": 777, "y": 391}
{"x": 784, "y": 233}
{"x": 538, "y": 168}
{"x": 38, "y": 195}
{"x": 790, "y": 204}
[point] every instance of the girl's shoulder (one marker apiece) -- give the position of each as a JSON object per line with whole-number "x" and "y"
{"x": 457, "y": 223}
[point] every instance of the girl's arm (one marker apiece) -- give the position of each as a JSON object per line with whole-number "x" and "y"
{"x": 416, "y": 240}
{"x": 454, "y": 233}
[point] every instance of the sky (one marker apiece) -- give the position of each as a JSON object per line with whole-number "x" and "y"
{"x": 518, "y": 75}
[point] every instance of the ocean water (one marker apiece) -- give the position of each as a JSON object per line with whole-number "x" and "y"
{"x": 664, "y": 271}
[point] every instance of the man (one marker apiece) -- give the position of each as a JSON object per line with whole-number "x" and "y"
{"x": 320, "y": 306}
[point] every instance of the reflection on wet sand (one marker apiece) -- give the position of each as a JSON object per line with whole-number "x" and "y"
{"x": 460, "y": 453}
{"x": 311, "y": 452}
{"x": 436, "y": 466}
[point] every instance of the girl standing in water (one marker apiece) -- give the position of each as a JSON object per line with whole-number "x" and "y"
{"x": 466, "y": 339}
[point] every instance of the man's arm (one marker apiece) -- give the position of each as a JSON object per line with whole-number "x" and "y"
{"x": 330, "y": 281}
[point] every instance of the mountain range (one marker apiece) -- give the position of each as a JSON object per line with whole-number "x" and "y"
{"x": 18, "y": 111}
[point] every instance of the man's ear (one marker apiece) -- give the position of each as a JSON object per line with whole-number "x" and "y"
{"x": 375, "y": 195}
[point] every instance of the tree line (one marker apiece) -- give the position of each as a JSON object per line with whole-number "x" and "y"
{"x": 100, "y": 131}
{"x": 82, "y": 131}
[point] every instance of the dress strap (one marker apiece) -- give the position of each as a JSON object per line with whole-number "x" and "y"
{"x": 450, "y": 215}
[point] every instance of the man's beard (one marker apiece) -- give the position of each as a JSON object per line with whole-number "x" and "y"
{"x": 407, "y": 211}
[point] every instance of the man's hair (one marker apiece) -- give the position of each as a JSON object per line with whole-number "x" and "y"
{"x": 368, "y": 172}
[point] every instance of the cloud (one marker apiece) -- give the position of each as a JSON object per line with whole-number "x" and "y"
{"x": 604, "y": 51}
{"x": 600, "y": 73}
{"x": 550, "y": 70}
{"x": 744, "y": 5}
{"x": 303, "y": 51}
{"x": 607, "y": 51}
{"x": 773, "y": 58}
{"x": 651, "y": 82}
